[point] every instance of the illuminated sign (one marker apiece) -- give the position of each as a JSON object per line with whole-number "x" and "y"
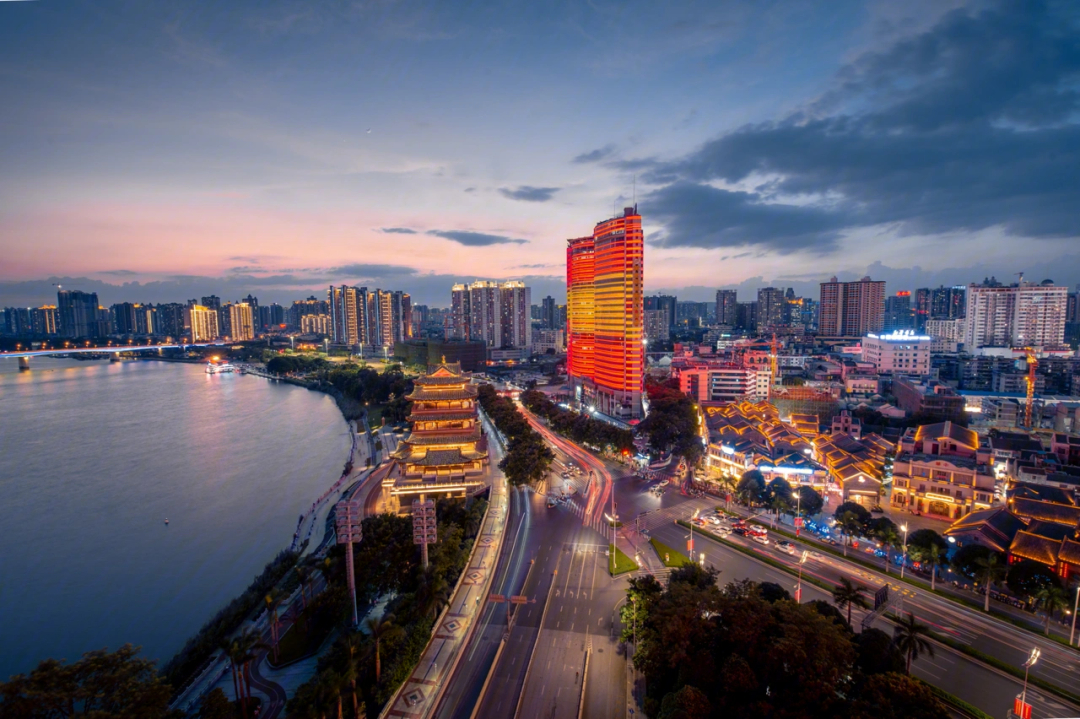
{"x": 726, "y": 449}
{"x": 787, "y": 470}
{"x": 901, "y": 336}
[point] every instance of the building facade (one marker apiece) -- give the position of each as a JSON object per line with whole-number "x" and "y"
{"x": 204, "y": 323}
{"x": 941, "y": 470}
{"x": 1023, "y": 314}
{"x": 851, "y": 309}
{"x": 902, "y": 352}
{"x": 609, "y": 306}
{"x": 726, "y": 307}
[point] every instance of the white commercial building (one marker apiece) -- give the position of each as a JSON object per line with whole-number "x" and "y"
{"x": 945, "y": 335}
{"x": 902, "y": 352}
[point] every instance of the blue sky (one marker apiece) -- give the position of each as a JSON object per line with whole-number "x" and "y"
{"x": 276, "y": 147}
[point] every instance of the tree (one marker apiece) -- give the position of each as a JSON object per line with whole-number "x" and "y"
{"x": 934, "y": 557}
{"x": 861, "y": 513}
{"x": 751, "y": 488}
{"x": 248, "y": 644}
{"x": 963, "y": 559}
{"x": 1051, "y": 599}
{"x": 778, "y": 495}
{"x": 889, "y": 538}
{"x": 382, "y": 630}
{"x": 102, "y": 685}
{"x": 1028, "y": 578}
{"x": 910, "y": 637}
{"x": 991, "y": 570}
{"x": 920, "y": 541}
{"x": 215, "y": 705}
{"x": 850, "y": 525}
{"x": 810, "y": 501}
{"x": 273, "y": 600}
{"x": 432, "y": 593}
{"x": 877, "y": 654}
{"x": 895, "y": 696}
{"x": 686, "y": 703}
{"x": 772, "y": 592}
{"x": 849, "y": 595}
{"x": 353, "y": 644}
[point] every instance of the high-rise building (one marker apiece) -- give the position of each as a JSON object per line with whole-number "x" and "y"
{"x": 580, "y": 310}
{"x": 948, "y": 303}
{"x": 921, "y": 308}
{"x": 898, "y": 314}
{"x": 123, "y": 318}
{"x": 605, "y": 278}
{"x": 726, "y": 308}
{"x": 78, "y": 314}
{"x": 547, "y": 313}
{"x": 665, "y": 303}
{"x": 460, "y": 312}
{"x": 170, "y": 320}
{"x": 772, "y": 309}
{"x": 809, "y": 314}
{"x": 241, "y": 322}
{"x": 515, "y": 300}
{"x": 346, "y": 322}
{"x": 656, "y": 326}
{"x": 43, "y": 320}
{"x": 851, "y": 309}
{"x": 315, "y": 325}
{"x": 204, "y": 323}
{"x": 1023, "y": 314}
{"x": 746, "y": 316}
{"x": 485, "y": 313}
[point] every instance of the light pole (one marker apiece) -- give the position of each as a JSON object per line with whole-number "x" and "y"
{"x": 1076, "y": 607}
{"x": 903, "y": 562}
{"x": 348, "y": 516}
{"x": 798, "y": 589}
{"x": 691, "y": 547}
{"x": 1027, "y": 667}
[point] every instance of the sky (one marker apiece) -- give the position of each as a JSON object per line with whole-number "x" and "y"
{"x": 160, "y": 150}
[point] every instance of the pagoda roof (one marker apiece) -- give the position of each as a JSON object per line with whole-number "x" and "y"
{"x": 428, "y": 439}
{"x": 1033, "y": 546}
{"x": 441, "y": 414}
{"x": 444, "y": 457}
{"x": 423, "y": 394}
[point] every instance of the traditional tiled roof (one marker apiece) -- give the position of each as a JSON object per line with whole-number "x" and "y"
{"x": 1029, "y": 490}
{"x": 441, "y": 380}
{"x": 1033, "y": 546}
{"x": 997, "y": 527}
{"x": 1069, "y": 552}
{"x": 1047, "y": 511}
{"x": 444, "y": 457}
{"x": 425, "y": 394}
{"x": 436, "y": 415}
{"x": 428, "y": 438}
{"x": 955, "y": 432}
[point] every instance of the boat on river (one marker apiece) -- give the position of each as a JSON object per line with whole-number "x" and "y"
{"x": 219, "y": 367}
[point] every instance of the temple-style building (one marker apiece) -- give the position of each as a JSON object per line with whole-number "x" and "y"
{"x": 444, "y": 455}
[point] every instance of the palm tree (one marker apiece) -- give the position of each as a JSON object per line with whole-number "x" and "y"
{"x": 728, "y": 484}
{"x": 847, "y": 594}
{"x": 935, "y": 558}
{"x": 332, "y": 683}
{"x": 353, "y": 644}
{"x": 273, "y": 601}
{"x": 434, "y": 591}
{"x": 247, "y": 646}
{"x": 889, "y": 539}
{"x": 231, "y": 650}
{"x": 1052, "y": 599}
{"x": 778, "y": 505}
{"x": 849, "y": 524}
{"x": 303, "y": 573}
{"x": 993, "y": 571}
{"x": 910, "y": 637}
{"x": 382, "y": 630}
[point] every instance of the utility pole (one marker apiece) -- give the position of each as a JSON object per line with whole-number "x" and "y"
{"x": 348, "y": 515}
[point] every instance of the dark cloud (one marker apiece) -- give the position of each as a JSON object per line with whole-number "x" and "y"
{"x": 118, "y": 273}
{"x": 527, "y": 193}
{"x": 697, "y": 215}
{"x": 969, "y": 125}
{"x": 600, "y": 153}
{"x": 475, "y": 239}
{"x": 470, "y": 189}
{"x": 366, "y": 270}
{"x": 541, "y": 266}
{"x": 399, "y": 231}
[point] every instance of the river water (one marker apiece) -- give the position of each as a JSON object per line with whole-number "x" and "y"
{"x": 94, "y": 456}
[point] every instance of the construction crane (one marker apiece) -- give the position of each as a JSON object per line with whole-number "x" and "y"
{"x": 1032, "y": 363}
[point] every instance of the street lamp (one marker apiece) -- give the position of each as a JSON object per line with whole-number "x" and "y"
{"x": 903, "y": 563}
{"x": 798, "y": 589}
{"x": 691, "y": 548}
{"x": 1076, "y": 607}
{"x": 1027, "y": 667}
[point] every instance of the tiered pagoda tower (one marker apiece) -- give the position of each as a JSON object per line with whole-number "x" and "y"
{"x": 443, "y": 455}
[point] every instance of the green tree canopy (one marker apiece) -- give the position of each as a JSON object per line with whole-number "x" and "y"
{"x": 965, "y": 560}
{"x": 1027, "y": 578}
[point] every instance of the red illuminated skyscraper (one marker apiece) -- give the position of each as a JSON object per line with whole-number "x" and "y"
{"x": 605, "y": 324}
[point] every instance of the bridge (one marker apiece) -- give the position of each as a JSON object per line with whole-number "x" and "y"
{"x": 24, "y": 355}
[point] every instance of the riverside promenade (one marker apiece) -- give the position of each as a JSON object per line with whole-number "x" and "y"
{"x": 420, "y": 694}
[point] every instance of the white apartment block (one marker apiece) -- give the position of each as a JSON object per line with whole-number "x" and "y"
{"x": 945, "y": 335}
{"x": 1019, "y": 315}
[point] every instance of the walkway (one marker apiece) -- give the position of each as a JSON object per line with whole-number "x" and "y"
{"x": 421, "y": 692}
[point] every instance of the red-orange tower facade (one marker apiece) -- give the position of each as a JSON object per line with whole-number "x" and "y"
{"x": 605, "y": 322}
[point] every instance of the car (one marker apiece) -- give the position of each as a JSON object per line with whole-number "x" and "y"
{"x": 663, "y": 483}
{"x": 786, "y": 547}
{"x": 741, "y": 531}
{"x": 817, "y": 556}
{"x": 761, "y": 539}
{"x": 714, "y": 520}
{"x": 828, "y": 540}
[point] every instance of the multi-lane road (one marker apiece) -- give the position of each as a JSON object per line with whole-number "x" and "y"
{"x": 556, "y": 558}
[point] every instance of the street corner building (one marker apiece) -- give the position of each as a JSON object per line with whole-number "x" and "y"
{"x": 445, "y": 454}
{"x": 605, "y": 317}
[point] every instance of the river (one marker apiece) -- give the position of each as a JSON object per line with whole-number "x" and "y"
{"x": 94, "y": 456}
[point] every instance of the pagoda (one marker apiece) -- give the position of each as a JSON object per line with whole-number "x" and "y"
{"x": 444, "y": 454}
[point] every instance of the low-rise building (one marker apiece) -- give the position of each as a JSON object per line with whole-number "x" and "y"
{"x": 943, "y": 471}
{"x": 928, "y": 398}
{"x": 901, "y": 352}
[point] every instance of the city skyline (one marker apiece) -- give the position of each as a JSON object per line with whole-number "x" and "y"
{"x": 241, "y": 192}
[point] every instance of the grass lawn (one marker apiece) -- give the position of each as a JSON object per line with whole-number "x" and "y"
{"x": 669, "y": 556}
{"x": 374, "y": 416}
{"x": 619, "y": 563}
